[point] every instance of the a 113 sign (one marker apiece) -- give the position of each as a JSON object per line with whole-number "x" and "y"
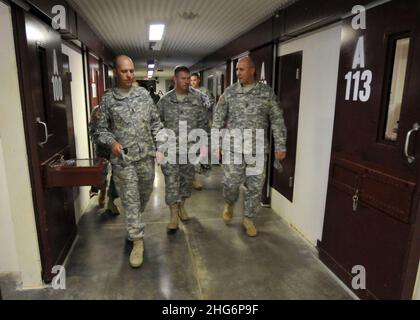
{"x": 359, "y": 80}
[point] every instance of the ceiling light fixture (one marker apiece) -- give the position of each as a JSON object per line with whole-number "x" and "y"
{"x": 156, "y": 32}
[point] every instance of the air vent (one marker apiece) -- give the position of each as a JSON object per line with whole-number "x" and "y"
{"x": 188, "y": 15}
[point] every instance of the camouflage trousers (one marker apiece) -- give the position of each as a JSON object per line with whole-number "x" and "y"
{"x": 234, "y": 177}
{"x": 178, "y": 182}
{"x": 112, "y": 191}
{"x": 134, "y": 183}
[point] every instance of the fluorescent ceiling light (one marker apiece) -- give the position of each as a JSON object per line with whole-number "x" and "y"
{"x": 151, "y": 66}
{"x": 156, "y": 32}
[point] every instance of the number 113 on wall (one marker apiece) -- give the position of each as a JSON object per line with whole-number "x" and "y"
{"x": 357, "y": 80}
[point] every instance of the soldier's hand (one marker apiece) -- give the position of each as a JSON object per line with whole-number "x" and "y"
{"x": 160, "y": 157}
{"x": 117, "y": 149}
{"x": 280, "y": 155}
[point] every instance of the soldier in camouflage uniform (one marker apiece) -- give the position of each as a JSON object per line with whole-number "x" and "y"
{"x": 181, "y": 104}
{"x": 208, "y": 99}
{"x": 195, "y": 83}
{"x": 104, "y": 152}
{"x": 248, "y": 104}
{"x": 128, "y": 125}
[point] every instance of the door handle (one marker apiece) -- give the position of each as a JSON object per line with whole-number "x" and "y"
{"x": 38, "y": 120}
{"x": 416, "y": 127}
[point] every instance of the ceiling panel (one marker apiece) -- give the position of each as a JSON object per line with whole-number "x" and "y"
{"x": 123, "y": 25}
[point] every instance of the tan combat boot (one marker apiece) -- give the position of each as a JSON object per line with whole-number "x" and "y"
{"x": 197, "y": 185}
{"x": 136, "y": 255}
{"x": 227, "y": 213}
{"x": 101, "y": 199}
{"x": 249, "y": 226}
{"x": 173, "y": 222}
{"x": 112, "y": 207}
{"x": 183, "y": 215}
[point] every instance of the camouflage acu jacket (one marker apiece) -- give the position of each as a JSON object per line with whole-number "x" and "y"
{"x": 132, "y": 121}
{"x": 208, "y": 98}
{"x": 101, "y": 150}
{"x": 192, "y": 111}
{"x": 255, "y": 109}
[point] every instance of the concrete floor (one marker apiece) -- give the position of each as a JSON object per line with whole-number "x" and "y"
{"x": 205, "y": 259}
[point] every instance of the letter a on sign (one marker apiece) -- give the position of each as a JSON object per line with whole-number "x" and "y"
{"x": 359, "y": 55}
{"x": 359, "y": 21}
{"x": 59, "y": 20}
{"x": 263, "y": 73}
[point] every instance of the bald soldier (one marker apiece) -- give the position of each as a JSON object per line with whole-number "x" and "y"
{"x": 128, "y": 125}
{"x": 248, "y": 104}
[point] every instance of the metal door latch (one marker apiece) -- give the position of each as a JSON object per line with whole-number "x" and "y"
{"x": 356, "y": 200}
{"x": 410, "y": 159}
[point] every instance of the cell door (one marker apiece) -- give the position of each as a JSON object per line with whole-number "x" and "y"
{"x": 44, "y": 49}
{"x": 46, "y": 122}
{"x": 67, "y": 79}
{"x": 263, "y": 60}
{"x": 371, "y": 227}
{"x": 288, "y": 89}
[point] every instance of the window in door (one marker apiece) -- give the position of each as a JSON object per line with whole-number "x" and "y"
{"x": 399, "y": 49}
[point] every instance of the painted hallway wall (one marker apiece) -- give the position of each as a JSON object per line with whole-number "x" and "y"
{"x": 321, "y": 51}
{"x": 19, "y": 251}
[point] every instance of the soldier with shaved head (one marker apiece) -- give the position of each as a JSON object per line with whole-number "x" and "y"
{"x": 128, "y": 124}
{"x": 252, "y": 106}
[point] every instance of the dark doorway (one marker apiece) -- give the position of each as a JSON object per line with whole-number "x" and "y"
{"x": 372, "y": 224}
{"x": 289, "y": 69}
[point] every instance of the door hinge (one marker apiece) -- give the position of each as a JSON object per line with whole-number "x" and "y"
{"x": 297, "y": 73}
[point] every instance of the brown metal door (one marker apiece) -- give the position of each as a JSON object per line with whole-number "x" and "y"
{"x": 263, "y": 59}
{"x": 371, "y": 218}
{"x": 44, "y": 46}
{"x": 67, "y": 78}
{"x": 44, "y": 97}
{"x": 288, "y": 88}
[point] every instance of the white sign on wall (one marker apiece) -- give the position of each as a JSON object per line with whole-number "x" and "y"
{"x": 263, "y": 80}
{"x": 56, "y": 80}
{"x": 359, "y": 80}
